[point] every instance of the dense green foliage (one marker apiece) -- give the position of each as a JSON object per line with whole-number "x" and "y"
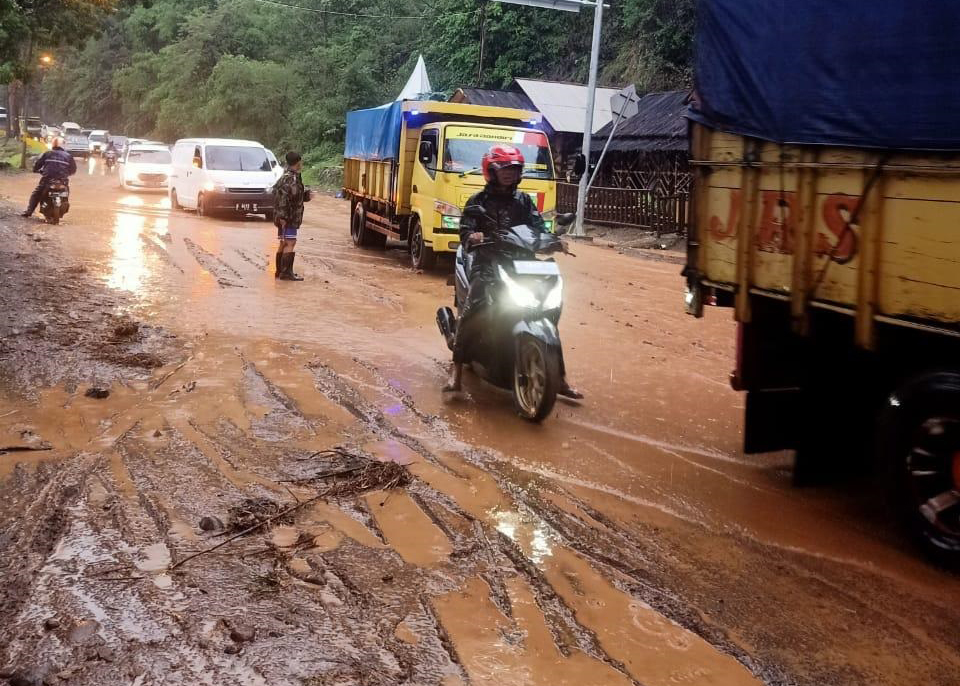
{"x": 286, "y": 76}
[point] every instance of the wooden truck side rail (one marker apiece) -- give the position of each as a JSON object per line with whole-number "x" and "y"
{"x": 869, "y": 233}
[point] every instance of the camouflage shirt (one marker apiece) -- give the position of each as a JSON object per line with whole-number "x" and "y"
{"x": 288, "y": 198}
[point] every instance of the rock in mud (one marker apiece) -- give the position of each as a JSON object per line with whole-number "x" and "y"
{"x": 231, "y": 649}
{"x": 211, "y": 524}
{"x": 97, "y": 392}
{"x": 243, "y": 633}
{"x": 24, "y": 679}
{"x": 51, "y": 623}
{"x": 7, "y": 672}
{"x": 126, "y": 328}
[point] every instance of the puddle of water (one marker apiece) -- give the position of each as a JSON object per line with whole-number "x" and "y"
{"x": 154, "y": 558}
{"x": 408, "y": 529}
{"x": 496, "y": 651}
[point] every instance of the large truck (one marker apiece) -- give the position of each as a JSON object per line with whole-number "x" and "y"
{"x": 826, "y": 213}
{"x": 410, "y": 166}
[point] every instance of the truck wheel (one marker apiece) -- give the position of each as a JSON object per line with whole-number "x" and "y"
{"x": 536, "y": 379}
{"x": 919, "y": 442}
{"x": 358, "y": 224}
{"x": 362, "y": 236}
{"x": 421, "y": 255}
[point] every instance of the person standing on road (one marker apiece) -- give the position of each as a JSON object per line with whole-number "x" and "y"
{"x": 288, "y": 198}
{"x": 54, "y": 165}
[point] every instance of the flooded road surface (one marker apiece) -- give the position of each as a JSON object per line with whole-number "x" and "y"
{"x": 162, "y": 393}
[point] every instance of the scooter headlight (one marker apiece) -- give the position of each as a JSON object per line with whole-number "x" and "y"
{"x": 521, "y": 296}
{"x": 554, "y": 298}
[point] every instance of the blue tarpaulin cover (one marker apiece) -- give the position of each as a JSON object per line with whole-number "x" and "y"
{"x": 374, "y": 134}
{"x": 883, "y": 73}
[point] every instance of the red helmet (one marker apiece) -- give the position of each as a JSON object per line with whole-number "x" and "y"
{"x": 500, "y": 157}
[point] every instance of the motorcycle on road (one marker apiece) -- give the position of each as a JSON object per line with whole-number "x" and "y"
{"x": 55, "y": 202}
{"x": 110, "y": 159}
{"x": 518, "y": 349}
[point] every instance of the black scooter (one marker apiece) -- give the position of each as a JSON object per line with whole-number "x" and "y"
{"x": 55, "y": 201}
{"x": 518, "y": 347}
{"x": 110, "y": 159}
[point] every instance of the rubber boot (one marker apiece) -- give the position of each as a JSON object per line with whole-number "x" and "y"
{"x": 288, "y": 274}
{"x": 279, "y": 268}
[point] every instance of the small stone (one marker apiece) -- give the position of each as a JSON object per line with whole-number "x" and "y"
{"x": 157, "y": 434}
{"x": 106, "y": 654}
{"x": 387, "y": 579}
{"x": 231, "y": 649}
{"x": 98, "y": 393}
{"x": 211, "y": 524}
{"x": 66, "y": 673}
{"x": 243, "y": 633}
{"x": 51, "y": 623}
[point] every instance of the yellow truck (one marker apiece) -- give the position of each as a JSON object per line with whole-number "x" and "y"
{"x": 826, "y": 213}
{"x": 410, "y": 166}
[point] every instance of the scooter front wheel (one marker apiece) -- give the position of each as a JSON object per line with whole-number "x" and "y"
{"x": 536, "y": 378}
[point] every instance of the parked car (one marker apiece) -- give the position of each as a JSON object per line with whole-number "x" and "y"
{"x": 215, "y": 174}
{"x": 145, "y": 166}
{"x": 97, "y": 141}
{"x": 275, "y": 165}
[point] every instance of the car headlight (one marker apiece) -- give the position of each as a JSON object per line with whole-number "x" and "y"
{"x": 448, "y": 222}
{"x": 554, "y": 298}
{"x": 521, "y": 296}
{"x": 217, "y": 187}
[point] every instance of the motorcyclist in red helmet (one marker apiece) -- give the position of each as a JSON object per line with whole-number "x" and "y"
{"x": 498, "y": 206}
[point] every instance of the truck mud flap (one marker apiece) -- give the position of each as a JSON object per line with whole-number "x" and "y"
{"x": 771, "y": 420}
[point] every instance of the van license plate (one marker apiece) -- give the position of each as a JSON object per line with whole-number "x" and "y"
{"x": 247, "y": 207}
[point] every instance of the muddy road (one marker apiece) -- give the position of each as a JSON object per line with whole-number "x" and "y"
{"x": 161, "y": 393}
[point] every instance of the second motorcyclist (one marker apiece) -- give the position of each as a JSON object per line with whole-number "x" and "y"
{"x": 498, "y": 206}
{"x": 54, "y": 165}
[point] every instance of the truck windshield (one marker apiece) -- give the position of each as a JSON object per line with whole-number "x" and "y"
{"x": 464, "y": 148}
{"x": 98, "y": 137}
{"x": 149, "y": 156}
{"x": 237, "y": 158}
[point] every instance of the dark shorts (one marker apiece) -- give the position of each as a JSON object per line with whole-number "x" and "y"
{"x": 288, "y": 233}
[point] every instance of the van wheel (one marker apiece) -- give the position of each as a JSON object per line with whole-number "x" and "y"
{"x": 919, "y": 442}
{"x": 201, "y": 208}
{"x": 174, "y": 202}
{"x": 421, "y": 255}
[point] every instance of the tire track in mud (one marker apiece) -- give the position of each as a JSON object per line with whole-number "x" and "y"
{"x": 216, "y": 267}
{"x": 567, "y": 632}
{"x": 153, "y": 244}
{"x": 259, "y": 261}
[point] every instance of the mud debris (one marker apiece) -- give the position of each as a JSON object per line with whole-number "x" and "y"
{"x": 251, "y": 513}
{"x": 210, "y": 523}
{"x": 97, "y": 393}
{"x": 242, "y": 633}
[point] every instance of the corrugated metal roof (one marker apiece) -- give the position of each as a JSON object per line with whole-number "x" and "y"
{"x": 495, "y": 98}
{"x": 660, "y": 124}
{"x": 564, "y": 105}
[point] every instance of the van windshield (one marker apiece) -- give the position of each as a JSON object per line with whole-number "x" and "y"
{"x": 237, "y": 158}
{"x": 149, "y": 156}
{"x": 98, "y": 137}
{"x": 465, "y": 146}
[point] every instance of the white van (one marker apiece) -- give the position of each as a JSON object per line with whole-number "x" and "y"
{"x": 145, "y": 166}
{"x": 222, "y": 175}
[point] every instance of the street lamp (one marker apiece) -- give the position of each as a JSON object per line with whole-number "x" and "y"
{"x": 574, "y": 6}
{"x": 46, "y": 60}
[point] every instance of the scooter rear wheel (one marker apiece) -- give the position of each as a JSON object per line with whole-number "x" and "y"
{"x": 536, "y": 379}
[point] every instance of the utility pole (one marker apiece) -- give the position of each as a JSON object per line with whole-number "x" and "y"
{"x": 588, "y": 119}
{"x": 574, "y": 6}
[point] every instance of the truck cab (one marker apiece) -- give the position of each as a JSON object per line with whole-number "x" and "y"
{"x": 448, "y": 172}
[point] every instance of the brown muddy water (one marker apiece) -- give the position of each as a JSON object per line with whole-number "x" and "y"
{"x": 430, "y": 540}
